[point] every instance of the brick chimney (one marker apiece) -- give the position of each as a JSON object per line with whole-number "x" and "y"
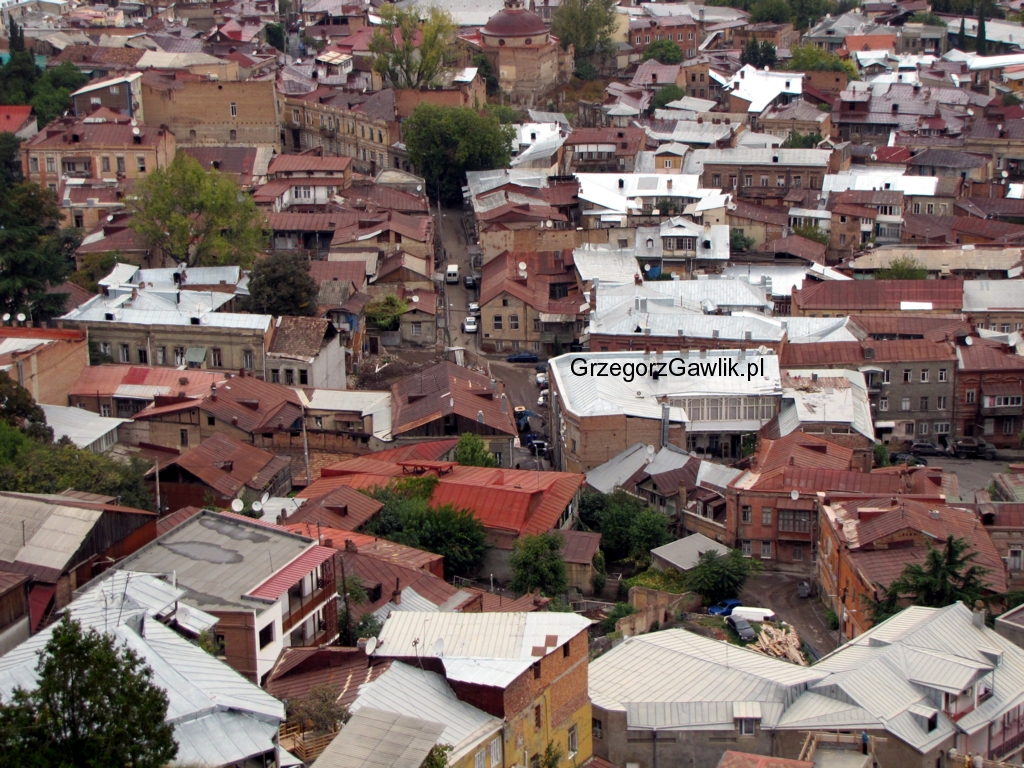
{"x": 396, "y": 596}
{"x": 350, "y": 546}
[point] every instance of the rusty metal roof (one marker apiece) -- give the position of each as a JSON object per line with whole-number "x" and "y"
{"x": 860, "y": 295}
{"x": 299, "y": 670}
{"x": 445, "y": 389}
{"x": 226, "y": 464}
{"x": 580, "y": 546}
{"x": 292, "y": 574}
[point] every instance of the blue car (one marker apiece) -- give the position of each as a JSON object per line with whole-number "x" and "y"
{"x": 724, "y": 608}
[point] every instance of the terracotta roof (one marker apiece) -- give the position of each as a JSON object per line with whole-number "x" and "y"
{"x": 390, "y": 576}
{"x": 340, "y": 507}
{"x": 227, "y": 465}
{"x": 445, "y": 389}
{"x": 987, "y": 355}
{"x": 291, "y": 574}
{"x": 933, "y": 328}
{"x": 235, "y": 161}
{"x": 896, "y": 155}
{"x": 733, "y": 759}
{"x": 579, "y": 547}
{"x": 804, "y": 450}
{"x": 501, "y": 275}
{"x": 300, "y": 337}
{"x": 868, "y": 197}
{"x": 857, "y": 295}
{"x": 633, "y": 138}
{"x": 795, "y": 245}
{"x": 869, "y": 42}
{"x": 166, "y": 523}
{"x": 257, "y": 405}
{"x": 853, "y": 352}
{"x": 60, "y": 134}
{"x": 13, "y": 118}
{"x": 429, "y": 450}
{"x": 499, "y": 603}
{"x": 515, "y": 22}
{"x": 290, "y": 221}
{"x": 105, "y": 380}
{"x": 384, "y": 197}
{"x": 815, "y": 479}
{"x": 299, "y": 670}
{"x": 301, "y": 163}
{"x": 855, "y": 210}
{"x": 744, "y": 210}
{"x": 372, "y": 546}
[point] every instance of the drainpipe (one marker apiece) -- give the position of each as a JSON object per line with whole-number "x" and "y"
{"x": 654, "y": 749}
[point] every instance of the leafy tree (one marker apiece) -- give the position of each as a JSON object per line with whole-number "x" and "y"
{"x": 438, "y": 757}
{"x": 666, "y": 95}
{"x": 95, "y": 266}
{"x": 806, "y": 12}
{"x": 587, "y": 25}
{"x": 196, "y": 216}
{"x": 903, "y": 268}
{"x": 813, "y": 232}
{"x": 584, "y": 69}
{"x": 386, "y": 312}
{"x": 453, "y": 533}
{"x": 401, "y": 60}
{"x": 16, "y": 42}
{"x": 19, "y": 410}
{"x": 281, "y": 285}
{"x": 1010, "y": 100}
{"x": 276, "y": 36}
{"x": 664, "y": 52}
{"x": 319, "y": 709}
{"x": 620, "y": 611}
{"x": 775, "y": 11}
{"x": 10, "y": 159}
{"x": 981, "y": 44}
{"x": 649, "y": 530}
{"x": 552, "y": 757}
{"x": 718, "y": 577}
{"x": 807, "y": 58}
{"x": 537, "y": 563}
{"x": 882, "y": 455}
{"x": 505, "y": 114}
{"x": 927, "y": 17}
{"x": 52, "y": 92}
{"x": 947, "y": 576}
{"x": 95, "y": 705}
{"x": 629, "y": 529}
{"x": 758, "y": 55}
{"x": 445, "y": 142}
{"x": 471, "y": 452}
{"x": 486, "y": 72}
{"x": 739, "y": 241}
{"x": 797, "y": 140}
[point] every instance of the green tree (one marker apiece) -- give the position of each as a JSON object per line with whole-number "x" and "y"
{"x": 52, "y": 92}
{"x": 927, "y": 17}
{"x": 903, "y": 268}
{"x": 739, "y": 241}
{"x": 505, "y": 114}
{"x": 10, "y": 159}
{"x": 961, "y": 38}
{"x": 797, "y": 140}
{"x": 438, "y": 757}
{"x": 19, "y": 411}
{"x": 775, "y": 11}
{"x": 552, "y": 757}
{"x": 807, "y": 12}
{"x": 537, "y": 563}
{"x": 587, "y": 25}
{"x": 276, "y": 36}
{"x": 95, "y": 266}
{"x": 95, "y": 705}
{"x": 666, "y": 95}
{"x": 947, "y": 576}
{"x": 281, "y": 285}
{"x": 402, "y": 60}
{"x": 629, "y": 529}
{"x": 718, "y": 577}
{"x": 1010, "y": 100}
{"x": 445, "y": 142}
{"x": 453, "y": 533}
{"x": 196, "y": 216}
{"x": 471, "y": 452}
{"x": 812, "y": 232}
{"x": 881, "y": 452}
{"x": 319, "y": 709}
{"x": 807, "y": 58}
{"x": 980, "y": 43}
{"x": 664, "y": 52}
{"x": 619, "y": 611}
{"x": 486, "y": 72}
{"x": 386, "y": 312}
{"x": 648, "y": 530}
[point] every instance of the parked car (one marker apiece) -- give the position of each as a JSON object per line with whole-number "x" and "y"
{"x": 974, "y": 448}
{"x": 542, "y": 379}
{"x": 741, "y": 627}
{"x": 522, "y": 357}
{"x": 469, "y": 325}
{"x": 474, "y": 309}
{"x": 753, "y": 614}
{"x": 725, "y": 607}
{"x": 803, "y": 589}
{"x": 541, "y": 367}
{"x": 528, "y": 439}
{"x": 542, "y": 401}
{"x": 469, "y": 281}
{"x": 909, "y": 459}
{"x": 539, "y": 448}
{"x": 926, "y": 449}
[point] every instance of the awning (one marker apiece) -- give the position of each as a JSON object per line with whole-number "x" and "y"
{"x": 39, "y": 598}
{"x": 885, "y": 424}
{"x": 549, "y": 318}
{"x": 870, "y": 369}
{"x": 195, "y": 355}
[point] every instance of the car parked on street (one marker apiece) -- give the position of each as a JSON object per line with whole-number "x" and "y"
{"x": 469, "y": 281}
{"x": 725, "y": 607}
{"x": 909, "y": 459}
{"x": 542, "y": 379}
{"x": 527, "y": 439}
{"x": 469, "y": 325}
{"x": 541, "y": 367}
{"x": 542, "y": 401}
{"x": 539, "y": 448}
{"x": 741, "y": 627}
{"x": 474, "y": 309}
{"x": 923, "y": 448}
{"x": 522, "y": 357}
{"x": 974, "y": 448}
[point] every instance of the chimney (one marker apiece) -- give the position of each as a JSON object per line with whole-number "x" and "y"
{"x": 350, "y": 546}
{"x": 396, "y": 596}
{"x": 665, "y": 422}
{"x": 213, "y": 392}
{"x": 329, "y": 543}
{"x": 978, "y": 615}
{"x": 792, "y": 461}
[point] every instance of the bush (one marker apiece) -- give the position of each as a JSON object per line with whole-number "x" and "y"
{"x": 585, "y": 70}
{"x": 597, "y": 582}
{"x": 669, "y": 580}
{"x": 621, "y": 610}
{"x": 831, "y": 619}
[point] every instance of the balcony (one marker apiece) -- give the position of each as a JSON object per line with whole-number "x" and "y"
{"x": 329, "y": 133}
{"x": 1001, "y": 410}
{"x": 1013, "y": 738}
{"x": 299, "y": 609}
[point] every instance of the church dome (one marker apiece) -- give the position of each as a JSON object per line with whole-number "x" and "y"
{"x": 515, "y": 21}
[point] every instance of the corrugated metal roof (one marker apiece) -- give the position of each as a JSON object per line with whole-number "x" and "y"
{"x": 291, "y": 574}
{"x": 377, "y": 739}
{"x": 683, "y": 554}
{"x": 80, "y": 426}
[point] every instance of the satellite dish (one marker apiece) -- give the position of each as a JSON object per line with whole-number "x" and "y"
{"x": 134, "y": 122}
{"x": 21, "y": 317}
{"x": 7, "y": 316}
{"x": 264, "y": 498}
{"x": 522, "y": 266}
{"x": 647, "y": 267}
{"x": 371, "y": 646}
{"x": 1005, "y": 174}
{"x": 438, "y": 647}
{"x": 110, "y": 217}
{"x": 257, "y": 507}
{"x": 237, "y": 505}
{"x": 639, "y": 202}
{"x": 136, "y": 132}
{"x": 794, "y": 494}
{"x": 650, "y": 450}
{"x": 451, "y": 402}
{"x": 415, "y": 299}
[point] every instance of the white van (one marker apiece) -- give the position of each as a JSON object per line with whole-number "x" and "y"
{"x": 755, "y": 614}
{"x": 452, "y": 274}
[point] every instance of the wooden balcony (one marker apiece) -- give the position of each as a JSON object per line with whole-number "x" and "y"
{"x": 300, "y": 610}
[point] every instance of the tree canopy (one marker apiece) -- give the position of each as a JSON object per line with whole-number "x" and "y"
{"x": 629, "y": 529}
{"x": 776, "y": 11}
{"x": 445, "y": 142}
{"x": 537, "y": 563}
{"x": 22, "y": 82}
{"x": 663, "y": 52}
{"x": 666, "y": 95}
{"x": 281, "y": 285}
{"x": 808, "y": 58}
{"x": 412, "y": 46}
{"x": 472, "y": 452}
{"x": 797, "y": 140}
{"x": 196, "y": 216}
{"x": 948, "y": 575}
{"x": 95, "y": 705}
{"x": 386, "y": 311}
{"x": 718, "y": 577}
{"x": 587, "y": 25}
{"x": 757, "y": 54}
{"x": 903, "y": 268}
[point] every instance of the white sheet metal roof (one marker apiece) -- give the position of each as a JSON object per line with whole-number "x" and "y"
{"x": 13, "y": 345}
{"x": 367, "y": 402}
{"x": 606, "y": 477}
{"x": 610, "y": 265}
{"x": 377, "y": 739}
{"x": 52, "y": 532}
{"x": 810, "y": 402}
{"x": 80, "y": 426}
{"x": 985, "y": 295}
{"x": 871, "y": 179}
{"x": 683, "y": 554}
{"x": 814, "y": 158}
{"x": 408, "y": 690}
{"x": 487, "y": 648}
{"x": 95, "y": 310}
{"x": 761, "y": 88}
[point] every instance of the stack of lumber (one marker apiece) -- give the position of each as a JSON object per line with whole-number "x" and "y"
{"x": 780, "y": 642}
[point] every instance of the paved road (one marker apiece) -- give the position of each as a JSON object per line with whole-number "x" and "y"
{"x": 778, "y": 591}
{"x": 972, "y": 474}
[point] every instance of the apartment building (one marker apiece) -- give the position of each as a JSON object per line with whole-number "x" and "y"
{"x": 764, "y": 175}
{"x": 989, "y": 391}
{"x": 47, "y": 362}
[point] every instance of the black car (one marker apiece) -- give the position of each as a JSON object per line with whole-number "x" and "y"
{"x": 529, "y": 438}
{"x": 741, "y": 627}
{"x": 539, "y": 448}
{"x": 541, "y": 367}
{"x": 910, "y": 459}
{"x": 927, "y": 449}
{"x": 469, "y": 281}
{"x": 522, "y": 357}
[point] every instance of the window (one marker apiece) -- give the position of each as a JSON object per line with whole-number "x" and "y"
{"x": 797, "y": 182}
{"x": 1008, "y": 427}
{"x": 232, "y": 135}
{"x": 513, "y": 322}
{"x": 535, "y": 760}
{"x": 942, "y": 374}
{"x": 908, "y": 428}
{"x": 924, "y": 404}
{"x": 125, "y": 354}
{"x": 766, "y": 515}
{"x": 798, "y": 553}
{"x": 234, "y": 109}
{"x": 218, "y": 361}
{"x": 716, "y": 178}
{"x": 33, "y": 164}
{"x": 780, "y": 181}
{"x": 104, "y": 164}
{"x": 942, "y": 428}
{"x": 417, "y": 329}
{"x": 922, "y": 428}
{"x": 275, "y": 376}
{"x": 303, "y": 193}
{"x": 746, "y": 726}
{"x": 573, "y": 742}
{"x": 764, "y": 181}
{"x": 536, "y": 324}
{"x": 746, "y": 512}
{"x": 748, "y": 180}
{"x": 940, "y": 403}
{"x": 496, "y": 753}
{"x": 183, "y": 437}
{"x": 179, "y": 355}
{"x": 478, "y": 759}
{"x": 842, "y": 239}
{"x": 140, "y": 163}
{"x": 120, "y": 163}
{"x": 745, "y": 546}
{"x": 497, "y": 323}
{"x": 908, "y": 375}
{"x": 247, "y": 359}
{"x": 970, "y": 395}
{"x": 211, "y": 421}
{"x": 766, "y": 550}
{"x": 536, "y": 710}
{"x": 886, "y": 376}
{"x": 303, "y": 377}
{"x": 289, "y": 376}
{"x": 924, "y": 375}
{"x": 794, "y": 520}
{"x": 905, "y": 404}
{"x": 883, "y": 403}
{"x": 104, "y": 409}
{"x": 143, "y": 354}
{"x": 51, "y": 166}
{"x": 267, "y": 635}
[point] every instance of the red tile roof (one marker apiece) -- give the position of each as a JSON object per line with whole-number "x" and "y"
{"x": 339, "y": 507}
{"x": 859, "y": 295}
{"x": 429, "y": 450}
{"x": 226, "y": 464}
{"x": 257, "y": 405}
{"x": 291, "y": 574}
{"x": 13, "y": 118}
{"x": 103, "y": 380}
{"x": 372, "y": 546}
{"x": 804, "y": 450}
{"x": 543, "y": 269}
{"x": 302, "y": 163}
{"x": 733, "y": 759}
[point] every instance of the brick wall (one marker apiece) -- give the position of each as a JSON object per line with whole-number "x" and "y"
{"x": 205, "y": 109}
